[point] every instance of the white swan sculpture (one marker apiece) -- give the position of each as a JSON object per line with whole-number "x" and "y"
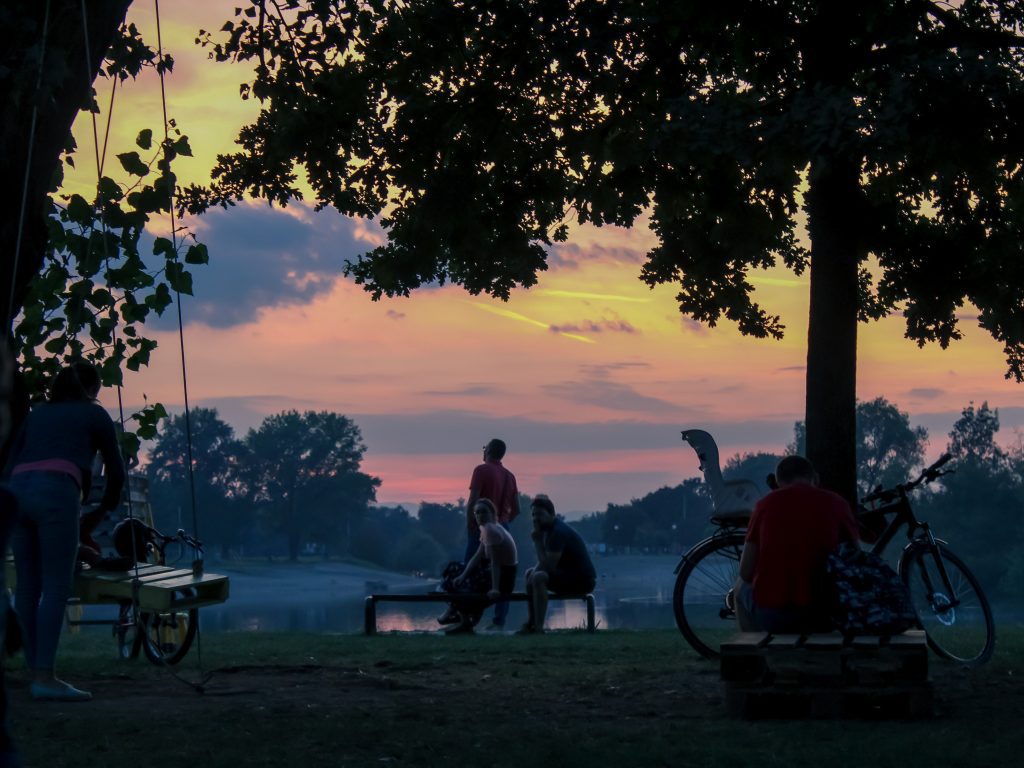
{"x": 730, "y": 498}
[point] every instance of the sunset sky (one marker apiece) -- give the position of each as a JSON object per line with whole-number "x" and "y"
{"x": 589, "y": 376}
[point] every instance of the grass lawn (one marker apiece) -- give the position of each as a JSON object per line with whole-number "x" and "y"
{"x": 615, "y": 698}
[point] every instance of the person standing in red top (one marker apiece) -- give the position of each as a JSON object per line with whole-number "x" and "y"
{"x": 491, "y": 481}
{"x": 791, "y": 532}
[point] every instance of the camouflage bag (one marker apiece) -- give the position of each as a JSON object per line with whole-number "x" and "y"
{"x": 868, "y": 596}
{"x": 477, "y": 580}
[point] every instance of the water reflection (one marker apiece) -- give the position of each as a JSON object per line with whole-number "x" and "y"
{"x": 651, "y": 612}
{"x": 632, "y": 593}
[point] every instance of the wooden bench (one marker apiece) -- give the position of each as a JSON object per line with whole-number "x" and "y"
{"x": 826, "y": 675}
{"x": 370, "y": 608}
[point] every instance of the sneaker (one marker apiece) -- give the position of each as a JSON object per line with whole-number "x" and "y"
{"x": 493, "y": 627}
{"x": 449, "y": 617}
{"x": 462, "y": 628}
{"x": 58, "y": 690}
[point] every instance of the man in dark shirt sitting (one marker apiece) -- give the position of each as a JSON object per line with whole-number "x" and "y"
{"x": 563, "y": 563}
{"x": 791, "y": 532}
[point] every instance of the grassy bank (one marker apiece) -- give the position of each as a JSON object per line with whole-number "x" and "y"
{"x": 565, "y": 699}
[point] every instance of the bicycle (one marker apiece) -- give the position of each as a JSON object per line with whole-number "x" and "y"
{"x": 165, "y": 637}
{"x": 950, "y": 604}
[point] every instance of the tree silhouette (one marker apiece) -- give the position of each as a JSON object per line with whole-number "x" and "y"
{"x": 303, "y": 469}
{"x": 973, "y": 438}
{"x": 479, "y": 129}
{"x": 978, "y": 509}
{"x": 218, "y": 461}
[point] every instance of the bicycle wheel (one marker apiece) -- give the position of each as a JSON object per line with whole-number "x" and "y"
{"x": 958, "y": 622}
{"x": 167, "y": 637}
{"x": 705, "y": 580}
{"x": 126, "y": 633}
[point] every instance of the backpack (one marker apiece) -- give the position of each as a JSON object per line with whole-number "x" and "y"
{"x": 868, "y": 596}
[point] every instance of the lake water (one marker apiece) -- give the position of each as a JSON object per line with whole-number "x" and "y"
{"x": 632, "y": 592}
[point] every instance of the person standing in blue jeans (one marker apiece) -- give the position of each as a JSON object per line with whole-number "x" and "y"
{"x": 49, "y": 468}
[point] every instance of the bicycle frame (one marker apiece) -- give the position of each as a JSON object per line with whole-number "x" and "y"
{"x": 919, "y": 534}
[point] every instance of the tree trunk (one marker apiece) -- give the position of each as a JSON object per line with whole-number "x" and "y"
{"x": 66, "y": 88}
{"x": 832, "y": 206}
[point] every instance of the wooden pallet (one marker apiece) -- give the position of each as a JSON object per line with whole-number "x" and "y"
{"x": 826, "y": 675}
{"x": 160, "y": 588}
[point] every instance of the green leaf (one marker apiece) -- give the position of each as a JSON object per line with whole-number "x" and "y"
{"x": 146, "y": 200}
{"x": 133, "y": 164}
{"x": 160, "y": 299}
{"x": 56, "y": 346}
{"x": 178, "y": 278}
{"x": 109, "y": 190}
{"x": 145, "y": 139}
{"x": 197, "y": 254}
{"x": 130, "y": 444}
{"x": 181, "y": 147}
{"x": 100, "y": 298}
{"x": 164, "y": 246}
{"x": 140, "y": 357}
{"x": 79, "y": 211}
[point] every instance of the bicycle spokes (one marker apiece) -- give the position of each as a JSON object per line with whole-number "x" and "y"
{"x": 949, "y": 604}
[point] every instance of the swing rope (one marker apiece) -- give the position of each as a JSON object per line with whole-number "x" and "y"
{"x": 100, "y": 161}
{"x": 177, "y": 294}
{"x": 101, "y": 158}
{"x": 181, "y": 335}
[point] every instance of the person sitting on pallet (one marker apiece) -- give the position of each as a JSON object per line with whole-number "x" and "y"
{"x": 782, "y": 569}
{"x": 498, "y": 548}
{"x": 563, "y": 564}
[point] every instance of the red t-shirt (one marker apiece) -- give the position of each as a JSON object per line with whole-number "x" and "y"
{"x": 493, "y": 482}
{"x": 795, "y": 528}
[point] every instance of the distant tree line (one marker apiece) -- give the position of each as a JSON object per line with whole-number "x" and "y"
{"x": 978, "y": 509}
{"x": 293, "y": 486}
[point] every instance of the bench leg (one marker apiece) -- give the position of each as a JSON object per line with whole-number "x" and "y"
{"x": 590, "y": 612}
{"x": 370, "y": 616}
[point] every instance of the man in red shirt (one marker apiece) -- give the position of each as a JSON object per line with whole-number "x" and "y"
{"x": 782, "y": 568}
{"x": 491, "y": 481}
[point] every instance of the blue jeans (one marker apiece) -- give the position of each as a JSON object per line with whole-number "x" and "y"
{"x": 45, "y": 545}
{"x": 500, "y": 606}
{"x": 780, "y": 621}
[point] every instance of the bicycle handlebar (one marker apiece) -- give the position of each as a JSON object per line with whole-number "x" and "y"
{"x": 181, "y": 536}
{"x": 929, "y": 474}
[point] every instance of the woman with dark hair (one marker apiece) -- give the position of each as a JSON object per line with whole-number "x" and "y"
{"x": 48, "y": 468}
